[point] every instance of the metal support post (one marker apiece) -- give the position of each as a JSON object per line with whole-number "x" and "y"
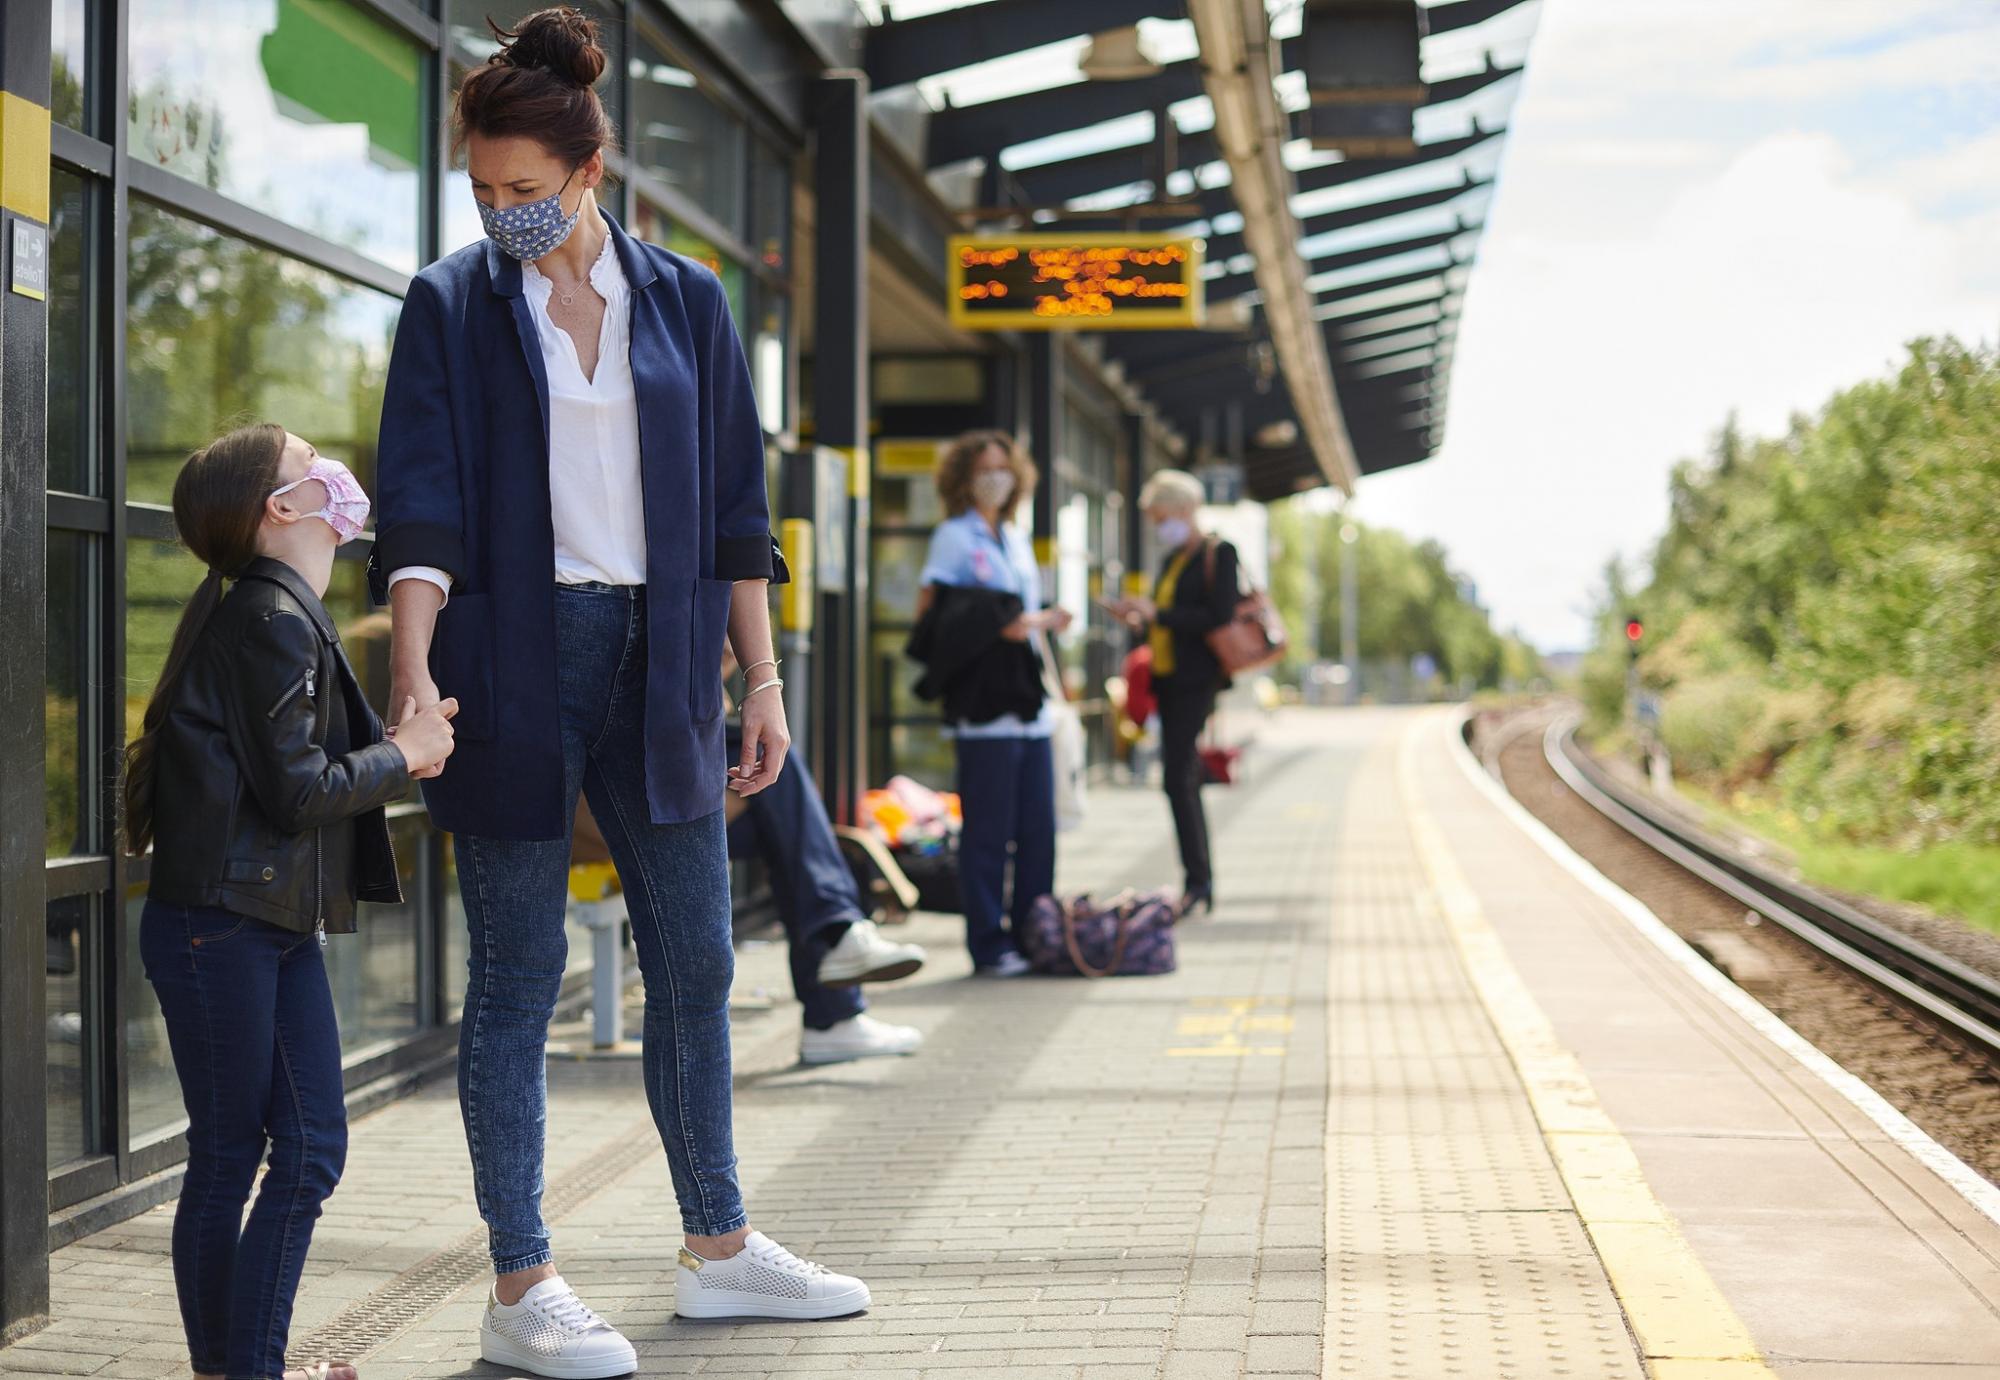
{"x": 1044, "y": 440}
{"x": 24, "y": 246}
{"x": 1350, "y": 609}
{"x": 841, "y": 411}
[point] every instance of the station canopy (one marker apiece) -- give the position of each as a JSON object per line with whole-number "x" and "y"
{"x": 1094, "y": 115}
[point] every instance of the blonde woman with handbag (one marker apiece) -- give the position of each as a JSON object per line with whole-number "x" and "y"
{"x": 1196, "y": 592}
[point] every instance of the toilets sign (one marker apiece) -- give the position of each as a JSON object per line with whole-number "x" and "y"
{"x": 30, "y": 275}
{"x": 1081, "y": 282}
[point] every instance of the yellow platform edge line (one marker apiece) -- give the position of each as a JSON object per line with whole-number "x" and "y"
{"x": 1686, "y": 1328}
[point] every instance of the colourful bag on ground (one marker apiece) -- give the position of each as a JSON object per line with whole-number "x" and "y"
{"x": 1130, "y": 935}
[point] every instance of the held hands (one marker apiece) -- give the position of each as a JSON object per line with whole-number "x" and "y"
{"x": 766, "y": 740}
{"x": 424, "y": 735}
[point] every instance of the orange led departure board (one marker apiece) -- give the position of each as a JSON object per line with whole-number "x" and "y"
{"x": 1076, "y": 282}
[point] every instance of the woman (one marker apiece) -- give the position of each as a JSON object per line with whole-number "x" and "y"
{"x": 572, "y": 486}
{"x": 260, "y": 779}
{"x": 1195, "y": 593}
{"x": 979, "y": 607}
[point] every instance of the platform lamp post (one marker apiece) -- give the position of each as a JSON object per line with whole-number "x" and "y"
{"x": 1350, "y": 610}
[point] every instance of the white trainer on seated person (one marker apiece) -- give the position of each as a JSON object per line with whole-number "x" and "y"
{"x": 552, "y": 1332}
{"x": 858, "y": 1037}
{"x": 864, "y": 955}
{"x": 763, "y": 1280}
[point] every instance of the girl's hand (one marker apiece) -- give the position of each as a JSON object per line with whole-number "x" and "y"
{"x": 1138, "y": 609}
{"x": 1057, "y": 619}
{"x": 766, "y": 740}
{"x": 1018, "y": 630}
{"x": 424, "y": 736}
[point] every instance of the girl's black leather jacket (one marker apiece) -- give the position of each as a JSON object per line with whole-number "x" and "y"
{"x": 271, "y": 771}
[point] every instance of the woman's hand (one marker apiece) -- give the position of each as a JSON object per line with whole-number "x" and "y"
{"x": 414, "y": 687}
{"x": 1057, "y": 619}
{"x": 766, "y": 740}
{"x": 1133, "y": 609}
{"x": 1018, "y": 630}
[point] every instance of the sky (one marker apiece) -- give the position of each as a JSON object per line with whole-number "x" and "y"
{"x": 1703, "y": 207}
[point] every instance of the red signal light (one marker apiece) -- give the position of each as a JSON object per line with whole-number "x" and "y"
{"x": 1634, "y": 630}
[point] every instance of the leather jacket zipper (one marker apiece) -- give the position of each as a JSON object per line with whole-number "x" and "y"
{"x": 309, "y": 683}
{"x": 319, "y": 891}
{"x": 319, "y": 861}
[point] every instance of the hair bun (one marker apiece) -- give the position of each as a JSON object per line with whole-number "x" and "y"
{"x": 561, "y": 40}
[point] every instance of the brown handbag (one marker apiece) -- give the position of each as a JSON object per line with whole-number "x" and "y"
{"x": 1254, "y": 637}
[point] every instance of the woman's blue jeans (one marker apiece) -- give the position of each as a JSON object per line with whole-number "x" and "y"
{"x": 249, "y": 1018}
{"x": 676, "y": 882}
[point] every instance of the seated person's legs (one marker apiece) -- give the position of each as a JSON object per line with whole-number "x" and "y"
{"x": 834, "y": 946}
{"x": 809, "y": 940}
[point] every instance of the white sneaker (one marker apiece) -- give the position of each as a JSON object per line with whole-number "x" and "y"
{"x": 551, "y": 1332}
{"x": 1008, "y": 965}
{"x": 858, "y": 1037}
{"x": 863, "y": 955}
{"x": 763, "y": 1280}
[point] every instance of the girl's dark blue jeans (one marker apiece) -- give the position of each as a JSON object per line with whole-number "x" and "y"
{"x": 250, "y": 1020}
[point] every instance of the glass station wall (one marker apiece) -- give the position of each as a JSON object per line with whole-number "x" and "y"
{"x": 284, "y": 175}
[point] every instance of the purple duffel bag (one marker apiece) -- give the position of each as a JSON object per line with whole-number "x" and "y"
{"x": 1131, "y": 934}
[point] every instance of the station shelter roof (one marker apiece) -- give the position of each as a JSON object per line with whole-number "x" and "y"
{"x": 1013, "y": 124}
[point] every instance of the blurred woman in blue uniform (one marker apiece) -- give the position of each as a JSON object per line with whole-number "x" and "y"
{"x": 978, "y": 614}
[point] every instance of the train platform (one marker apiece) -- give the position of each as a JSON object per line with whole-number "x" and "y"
{"x": 1425, "y": 1099}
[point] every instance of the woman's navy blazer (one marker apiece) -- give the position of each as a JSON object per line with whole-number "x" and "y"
{"x": 463, "y": 484}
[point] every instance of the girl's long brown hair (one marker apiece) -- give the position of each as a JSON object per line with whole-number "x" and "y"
{"x": 218, "y": 507}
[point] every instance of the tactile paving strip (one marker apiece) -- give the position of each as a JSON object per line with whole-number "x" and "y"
{"x": 416, "y": 1293}
{"x": 1454, "y": 1250}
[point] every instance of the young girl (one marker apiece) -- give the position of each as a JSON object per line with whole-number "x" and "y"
{"x": 260, "y": 780}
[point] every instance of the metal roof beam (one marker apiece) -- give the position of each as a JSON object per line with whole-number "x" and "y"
{"x": 900, "y": 51}
{"x": 1051, "y": 184}
{"x": 1327, "y": 304}
{"x": 1235, "y": 44}
{"x": 1360, "y": 169}
{"x": 1347, "y": 217}
{"x": 1463, "y": 14}
{"x": 1224, "y": 286}
{"x": 981, "y": 131}
{"x": 1397, "y": 318}
{"x": 1442, "y": 92}
{"x": 1421, "y": 336}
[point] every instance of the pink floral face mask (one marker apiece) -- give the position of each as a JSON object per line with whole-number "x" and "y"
{"x": 346, "y": 509}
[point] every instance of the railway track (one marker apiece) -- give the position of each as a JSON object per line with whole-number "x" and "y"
{"x": 1956, "y": 996}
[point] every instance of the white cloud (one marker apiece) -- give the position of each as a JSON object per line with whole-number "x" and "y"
{"x": 1622, "y": 308}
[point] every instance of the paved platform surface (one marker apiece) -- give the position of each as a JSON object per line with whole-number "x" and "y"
{"x": 1317, "y": 1150}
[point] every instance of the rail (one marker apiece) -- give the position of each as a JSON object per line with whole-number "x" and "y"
{"x": 1944, "y": 989}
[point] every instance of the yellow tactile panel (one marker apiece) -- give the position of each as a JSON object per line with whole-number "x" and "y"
{"x": 24, "y": 157}
{"x": 1453, "y": 1250}
{"x": 1684, "y": 1325}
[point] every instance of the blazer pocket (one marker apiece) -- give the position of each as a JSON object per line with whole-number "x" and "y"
{"x": 710, "y": 621}
{"x": 462, "y": 663}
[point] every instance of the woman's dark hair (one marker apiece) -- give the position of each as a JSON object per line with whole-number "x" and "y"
{"x": 539, "y": 85}
{"x": 218, "y": 508}
{"x": 961, "y": 459}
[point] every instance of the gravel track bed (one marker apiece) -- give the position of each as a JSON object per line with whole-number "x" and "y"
{"x": 1927, "y": 1073}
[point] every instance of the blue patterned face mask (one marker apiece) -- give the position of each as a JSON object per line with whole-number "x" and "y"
{"x": 533, "y": 228}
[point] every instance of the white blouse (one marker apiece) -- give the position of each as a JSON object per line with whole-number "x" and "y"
{"x": 595, "y": 502}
